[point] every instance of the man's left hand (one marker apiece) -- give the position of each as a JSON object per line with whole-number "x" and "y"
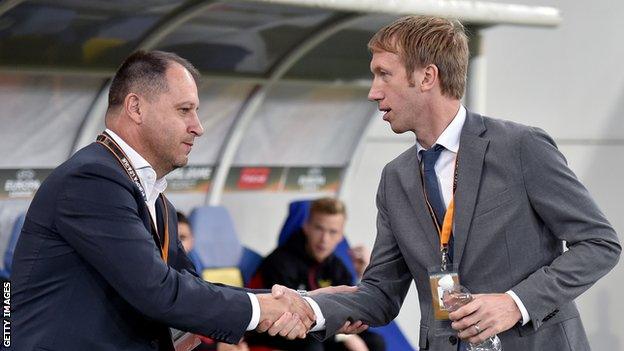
{"x": 486, "y": 315}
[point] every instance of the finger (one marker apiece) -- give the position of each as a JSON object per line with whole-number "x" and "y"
{"x": 298, "y": 331}
{"x": 466, "y": 310}
{"x": 467, "y": 322}
{"x": 471, "y": 331}
{"x": 303, "y": 308}
{"x": 362, "y": 328}
{"x": 354, "y": 328}
{"x": 263, "y": 326}
{"x": 279, "y": 323}
{"x": 481, "y": 337}
{"x": 289, "y": 326}
{"x": 344, "y": 328}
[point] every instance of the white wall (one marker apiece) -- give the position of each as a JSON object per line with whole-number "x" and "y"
{"x": 567, "y": 81}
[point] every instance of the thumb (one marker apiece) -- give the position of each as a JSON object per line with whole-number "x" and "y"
{"x": 277, "y": 291}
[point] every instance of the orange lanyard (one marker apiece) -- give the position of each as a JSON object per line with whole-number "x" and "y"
{"x": 446, "y": 230}
{"x": 108, "y": 142}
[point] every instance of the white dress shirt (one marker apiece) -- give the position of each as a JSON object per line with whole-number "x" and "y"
{"x": 153, "y": 188}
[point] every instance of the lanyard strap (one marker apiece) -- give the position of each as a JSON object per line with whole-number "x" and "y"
{"x": 446, "y": 229}
{"x": 111, "y": 145}
{"x": 108, "y": 142}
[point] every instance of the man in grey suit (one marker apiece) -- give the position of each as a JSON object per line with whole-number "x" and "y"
{"x": 515, "y": 202}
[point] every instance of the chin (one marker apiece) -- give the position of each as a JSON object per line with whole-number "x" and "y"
{"x": 397, "y": 129}
{"x": 181, "y": 163}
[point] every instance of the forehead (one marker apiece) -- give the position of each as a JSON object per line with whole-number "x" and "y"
{"x": 385, "y": 59}
{"x": 327, "y": 218}
{"x": 181, "y": 84}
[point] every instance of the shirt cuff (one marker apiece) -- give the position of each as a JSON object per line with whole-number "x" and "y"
{"x": 255, "y": 312}
{"x": 320, "y": 320}
{"x": 525, "y": 314}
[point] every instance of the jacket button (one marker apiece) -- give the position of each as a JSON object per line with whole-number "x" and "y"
{"x": 453, "y": 340}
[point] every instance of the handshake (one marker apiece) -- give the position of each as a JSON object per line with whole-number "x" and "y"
{"x": 284, "y": 312}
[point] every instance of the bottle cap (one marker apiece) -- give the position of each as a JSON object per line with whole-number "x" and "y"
{"x": 446, "y": 282}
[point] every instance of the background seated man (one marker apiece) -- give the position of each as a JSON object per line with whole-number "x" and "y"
{"x": 187, "y": 238}
{"x": 307, "y": 261}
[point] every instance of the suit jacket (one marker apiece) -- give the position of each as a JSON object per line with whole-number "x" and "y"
{"x": 89, "y": 276}
{"x": 516, "y": 201}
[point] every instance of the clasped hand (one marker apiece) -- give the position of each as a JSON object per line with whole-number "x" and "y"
{"x": 284, "y": 312}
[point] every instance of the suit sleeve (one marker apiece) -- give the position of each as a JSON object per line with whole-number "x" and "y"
{"x": 98, "y": 216}
{"x": 569, "y": 212}
{"x": 384, "y": 284}
{"x": 182, "y": 260}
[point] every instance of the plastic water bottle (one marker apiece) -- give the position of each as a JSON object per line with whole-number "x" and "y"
{"x": 455, "y": 296}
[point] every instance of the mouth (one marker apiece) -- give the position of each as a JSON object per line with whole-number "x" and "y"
{"x": 385, "y": 110}
{"x": 188, "y": 145}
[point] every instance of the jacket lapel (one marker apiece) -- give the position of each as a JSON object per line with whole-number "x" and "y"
{"x": 411, "y": 181}
{"x": 160, "y": 221}
{"x": 471, "y": 154}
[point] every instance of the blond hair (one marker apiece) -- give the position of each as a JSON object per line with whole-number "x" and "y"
{"x": 329, "y": 206}
{"x": 424, "y": 40}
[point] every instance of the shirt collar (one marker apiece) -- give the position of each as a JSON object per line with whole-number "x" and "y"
{"x": 152, "y": 185}
{"x": 451, "y": 135}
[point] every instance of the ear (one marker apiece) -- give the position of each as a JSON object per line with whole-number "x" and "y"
{"x": 133, "y": 107}
{"x": 430, "y": 77}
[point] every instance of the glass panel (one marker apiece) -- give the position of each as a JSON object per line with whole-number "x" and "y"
{"x": 306, "y": 125}
{"x": 40, "y": 116}
{"x": 220, "y": 102}
{"x": 76, "y": 33}
{"x": 245, "y": 38}
{"x": 343, "y": 56}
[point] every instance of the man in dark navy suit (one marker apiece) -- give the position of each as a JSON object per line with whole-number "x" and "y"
{"x": 98, "y": 265}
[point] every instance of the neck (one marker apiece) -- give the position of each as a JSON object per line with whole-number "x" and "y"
{"x": 438, "y": 117}
{"x": 133, "y": 140}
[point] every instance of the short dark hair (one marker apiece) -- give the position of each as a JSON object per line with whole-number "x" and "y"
{"x": 182, "y": 218}
{"x": 144, "y": 72}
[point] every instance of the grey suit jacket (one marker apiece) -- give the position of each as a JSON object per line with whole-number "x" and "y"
{"x": 516, "y": 202}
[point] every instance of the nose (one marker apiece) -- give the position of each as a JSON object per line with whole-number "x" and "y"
{"x": 374, "y": 94}
{"x": 196, "y": 127}
{"x": 325, "y": 237}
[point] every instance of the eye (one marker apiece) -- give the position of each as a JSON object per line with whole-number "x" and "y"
{"x": 185, "y": 109}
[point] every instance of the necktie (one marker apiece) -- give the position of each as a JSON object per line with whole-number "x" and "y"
{"x": 432, "y": 187}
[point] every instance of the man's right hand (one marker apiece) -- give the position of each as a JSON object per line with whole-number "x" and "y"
{"x": 284, "y": 312}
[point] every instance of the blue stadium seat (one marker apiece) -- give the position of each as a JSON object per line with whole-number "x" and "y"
{"x": 249, "y": 263}
{"x": 217, "y": 244}
{"x": 5, "y": 273}
{"x": 216, "y": 241}
{"x": 297, "y": 214}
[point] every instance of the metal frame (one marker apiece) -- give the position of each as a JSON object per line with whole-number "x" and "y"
{"x": 257, "y": 97}
{"x": 475, "y": 97}
{"x": 465, "y": 10}
{"x": 7, "y": 5}
{"x": 349, "y": 171}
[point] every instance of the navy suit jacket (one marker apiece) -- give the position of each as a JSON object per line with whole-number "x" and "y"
{"x": 89, "y": 276}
